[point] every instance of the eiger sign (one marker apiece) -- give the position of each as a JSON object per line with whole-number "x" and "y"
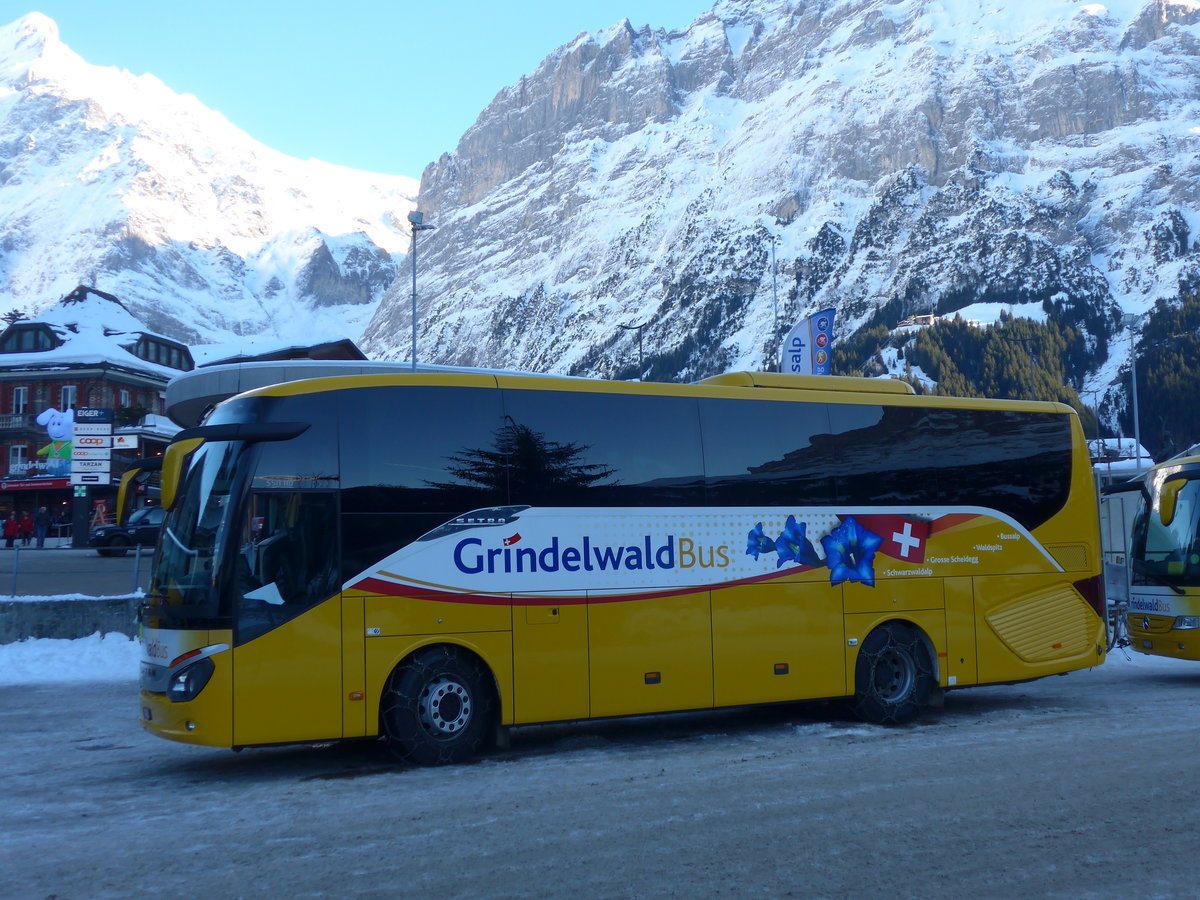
{"x": 93, "y": 415}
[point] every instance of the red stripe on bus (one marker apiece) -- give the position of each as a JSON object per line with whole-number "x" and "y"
{"x": 374, "y": 585}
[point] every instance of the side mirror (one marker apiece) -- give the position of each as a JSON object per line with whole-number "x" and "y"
{"x": 1168, "y": 498}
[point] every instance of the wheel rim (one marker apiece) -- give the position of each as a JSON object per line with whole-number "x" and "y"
{"x": 894, "y": 675}
{"x": 445, "y": 707}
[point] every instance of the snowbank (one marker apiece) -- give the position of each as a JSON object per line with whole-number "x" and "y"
{"x": 109, "y": 657}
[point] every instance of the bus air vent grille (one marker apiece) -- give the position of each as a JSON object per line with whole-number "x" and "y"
{"x": 1051, "y": 624}
{"x": 1072, "y": 557}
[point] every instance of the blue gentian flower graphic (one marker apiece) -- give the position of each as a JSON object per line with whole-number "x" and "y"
{"x": 757, "y": 542}
{"x": 849, "y": 551}
{"x": 794, "y": 546}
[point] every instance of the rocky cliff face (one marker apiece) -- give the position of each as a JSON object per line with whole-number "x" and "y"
{"x": 114, "y": 181}
{"x": 708, "y": 187}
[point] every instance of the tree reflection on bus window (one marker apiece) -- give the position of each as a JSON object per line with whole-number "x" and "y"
{"x": 523, "y": 463}
{"x": 649, "y": 447}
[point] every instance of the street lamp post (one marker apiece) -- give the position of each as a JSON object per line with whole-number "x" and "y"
{"x": 417, "y": 221}
{"x": 1129, "y": 321}
{"x": 774, "y": 288}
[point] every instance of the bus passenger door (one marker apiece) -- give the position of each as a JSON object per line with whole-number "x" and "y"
{"x": 550, "y": 659}
{"x": 287, "y": 656}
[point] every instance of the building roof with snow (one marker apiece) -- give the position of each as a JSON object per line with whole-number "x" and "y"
{"x": 89, "y": 327}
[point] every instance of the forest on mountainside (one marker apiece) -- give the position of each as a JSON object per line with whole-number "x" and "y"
{"x": 1021, "y": 359}
{"x": 1168, "y": 374}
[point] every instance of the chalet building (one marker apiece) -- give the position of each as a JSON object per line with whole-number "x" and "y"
{"x": 86, "y": 351}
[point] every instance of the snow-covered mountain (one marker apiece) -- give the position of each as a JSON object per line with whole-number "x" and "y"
{"x": 113, "y": 180}
{"x": 899, "y": 156}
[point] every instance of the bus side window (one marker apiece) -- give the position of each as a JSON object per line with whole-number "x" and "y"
{"x": 785, "y": 464}
{"x": 284, "y": 566}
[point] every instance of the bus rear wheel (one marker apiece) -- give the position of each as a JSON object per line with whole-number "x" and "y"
{"x": 893, "y": 677}
{"x": 438, "y": 707}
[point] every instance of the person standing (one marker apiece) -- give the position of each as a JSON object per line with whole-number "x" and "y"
{"x": 12, "y": 529}
{"x": 41, "y": 525}
{"x": 26, "y": 528}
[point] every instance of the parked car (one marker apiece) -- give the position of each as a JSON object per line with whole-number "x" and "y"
{"x": 141, "y": 529}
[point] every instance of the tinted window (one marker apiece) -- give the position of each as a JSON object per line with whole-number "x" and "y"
{"x": 764, "y": 453}
{"x": 1018, "y": 463}
{"x": 368, "y": 537}
{"x": 883, "y": 455}
{"x": 308, "y": 460}
{"x": 566, "y": 448}
{"x": 285, "y": 559}
{"x": 416, "y": 450}
{"x": 147, "y": 515}
{"x": 409, "y": 463}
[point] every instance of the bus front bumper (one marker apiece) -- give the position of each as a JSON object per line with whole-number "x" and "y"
{"x": 1157, "y": 640}
{"x": 207, "y": 719}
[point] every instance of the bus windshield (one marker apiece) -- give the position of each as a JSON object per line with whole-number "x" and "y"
{"x": 185, "y": 583}
{"x": 1166, "y": 537}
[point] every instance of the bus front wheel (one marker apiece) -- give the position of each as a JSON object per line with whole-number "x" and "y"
{"x": 438, "y": 707}
{"x": 893, "y": 677}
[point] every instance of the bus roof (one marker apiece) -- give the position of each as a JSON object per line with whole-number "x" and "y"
{"x": 191, "y": 394}
{"x": 818, "y": 388}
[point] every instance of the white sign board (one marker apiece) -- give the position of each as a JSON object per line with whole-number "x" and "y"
{"x": 90, "y": 465}
{"x": 92, "y": 428}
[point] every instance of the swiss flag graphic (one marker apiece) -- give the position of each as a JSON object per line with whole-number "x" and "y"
{"x": 903, "y": 538}
{"x": 509, "y": 541}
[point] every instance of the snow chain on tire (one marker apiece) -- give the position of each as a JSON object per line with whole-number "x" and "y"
{"x": 438, "y": 707}
{"x": 894, "y": 675}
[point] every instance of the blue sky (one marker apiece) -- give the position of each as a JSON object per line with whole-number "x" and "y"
{"x": 376, "y": 85}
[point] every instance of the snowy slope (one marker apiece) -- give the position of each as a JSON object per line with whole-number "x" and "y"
{"x": 115, "y": 181}
{"x": 1041, "y": 155}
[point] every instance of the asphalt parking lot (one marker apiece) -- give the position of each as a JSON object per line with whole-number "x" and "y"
{"x": 55, "y": 571}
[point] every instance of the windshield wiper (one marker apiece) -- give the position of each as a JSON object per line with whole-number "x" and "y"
{"x": 1142, "y": 568}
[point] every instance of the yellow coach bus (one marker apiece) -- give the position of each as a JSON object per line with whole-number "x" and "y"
{"x": 1164, "y": 574}
{"x": 434, "y": 558}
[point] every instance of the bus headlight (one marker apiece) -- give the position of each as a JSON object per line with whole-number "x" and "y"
{"x": 1183, "y": 623}
{"x": 190, "y": 680}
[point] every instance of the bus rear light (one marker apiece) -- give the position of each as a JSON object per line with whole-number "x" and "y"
{"x": 1092, "y": 590}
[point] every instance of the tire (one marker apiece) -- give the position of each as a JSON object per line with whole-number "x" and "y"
{"x": 893, "y": 677}
{"x": 117, "y": 547}
{"x": 439, "y": 707}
